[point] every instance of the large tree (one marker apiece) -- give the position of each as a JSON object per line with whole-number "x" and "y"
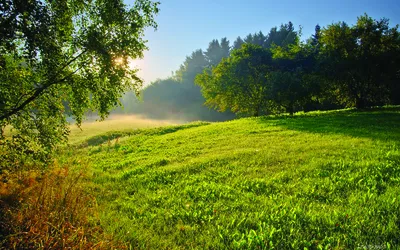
{"x": 240, "y": 82}
{"x": 64, "y": 52}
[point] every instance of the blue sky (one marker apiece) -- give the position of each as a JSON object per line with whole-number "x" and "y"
{"x": 187, "y": 25}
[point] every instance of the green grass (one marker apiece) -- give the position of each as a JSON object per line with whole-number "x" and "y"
{"x": 317, "y": 181}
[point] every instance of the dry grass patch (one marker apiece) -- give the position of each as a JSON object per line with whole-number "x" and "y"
{"x": 49, "y": 210}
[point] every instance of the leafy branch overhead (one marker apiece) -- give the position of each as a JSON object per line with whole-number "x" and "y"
{"x": 67, "y": 55}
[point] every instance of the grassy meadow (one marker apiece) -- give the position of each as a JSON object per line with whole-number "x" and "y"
{"x": 321, "y": 180}
{"x": 121, "y": 123}
{"x": 51, "y": 208}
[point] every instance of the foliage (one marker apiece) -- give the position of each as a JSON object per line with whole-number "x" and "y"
{"x": 256, "y": 80}
{"x": 216, "y": 51}
{"x": 193, "y": 64}
{"x": 361, "y": 61}
{"x": 177, "y": 97}
{"x": 320, "y": 180}
{"x": 354, "y": 66}
{"x": 171, "y": 99}
{"x": 240, "y": 82}
{"x": 71, "y": 52}
{"x": 237, "y": 44}
{"x": 293, "y": 80}
{"x": 282, "y": 37}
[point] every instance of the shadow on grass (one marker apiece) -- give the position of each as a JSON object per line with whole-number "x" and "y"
{"x": 378, "y": 124}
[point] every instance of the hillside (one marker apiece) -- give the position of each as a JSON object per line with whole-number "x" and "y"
{"x": 321, "y": 180}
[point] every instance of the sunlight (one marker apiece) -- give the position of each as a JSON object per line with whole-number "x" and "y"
{"x": 135, "y": 63}
{"x": 118, "y": 61}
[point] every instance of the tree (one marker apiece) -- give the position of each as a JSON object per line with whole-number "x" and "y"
{"x": 58, "y": 52}
{"x": 284, "y": 36}
{"x": 237, "y": 44}
{"x": 193, "y": 65}
{"x": 293, "y": 81}
{"x": 178, "y": 97}
{"x": 315, "y": 37}
{"x": 239, "y": 82}
{"x": 213, "y": 53}
{"x": 225, "y": 48}
{"x": 216, "y": 51}
{"x": 256, "y": 39}
{"x": 361, "y": 62}
{"x": 190, "y": 99}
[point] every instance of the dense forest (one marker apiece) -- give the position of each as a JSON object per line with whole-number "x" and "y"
{"x": 339, "y": 66}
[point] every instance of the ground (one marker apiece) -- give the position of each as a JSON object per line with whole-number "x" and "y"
{"x": 321, "y": 180}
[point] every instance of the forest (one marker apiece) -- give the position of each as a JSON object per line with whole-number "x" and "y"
{"x": 339, "y": 66}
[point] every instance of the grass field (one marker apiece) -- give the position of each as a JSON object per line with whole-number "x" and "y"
{"x": 119, "y": 123}
{"x": 315, "y": 181}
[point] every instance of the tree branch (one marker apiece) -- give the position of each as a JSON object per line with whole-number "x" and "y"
{"x": 35, "y": 95}
{"x": 39, "y": 91}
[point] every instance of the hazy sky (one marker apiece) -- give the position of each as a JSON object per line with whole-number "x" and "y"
{"x": 187, "y": 25}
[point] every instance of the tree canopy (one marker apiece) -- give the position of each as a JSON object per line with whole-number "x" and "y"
{"x": 361, "y": 61}
{"x": 349, "y": 66}
{"x": 239, "y": 83}
{"x": 260, "y": 75}
{"x": 58, "y": 54}
{"x": 333, "y": 68}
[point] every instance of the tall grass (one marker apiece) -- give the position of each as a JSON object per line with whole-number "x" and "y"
{"x": 49, "y": 210}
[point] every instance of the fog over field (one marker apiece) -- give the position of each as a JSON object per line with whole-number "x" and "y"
{"x": 92, "y": 126}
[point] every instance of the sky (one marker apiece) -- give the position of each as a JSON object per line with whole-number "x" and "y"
{"x": 187, "y": 25}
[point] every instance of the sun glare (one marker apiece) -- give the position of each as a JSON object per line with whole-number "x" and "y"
{"x": 118, "y": 61}
{"x": 134, "y": 63}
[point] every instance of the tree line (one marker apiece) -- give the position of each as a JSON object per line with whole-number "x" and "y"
{"x": 177, "y": 96}
{"x": 339, "y": 66}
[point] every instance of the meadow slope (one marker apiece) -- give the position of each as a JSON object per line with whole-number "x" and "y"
{"x": 328, "y": 180}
